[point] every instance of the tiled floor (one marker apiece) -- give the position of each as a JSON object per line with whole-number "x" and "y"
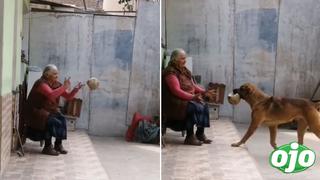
{"x": 128, "y": 160}
{"x": 259, "y": 148}
{"x": 81, "y": 163}
{"x": 216, "y": 161}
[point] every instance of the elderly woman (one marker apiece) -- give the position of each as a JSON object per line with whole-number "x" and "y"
{"x": 43, "y": 117}
{"x": 182, "y": 99}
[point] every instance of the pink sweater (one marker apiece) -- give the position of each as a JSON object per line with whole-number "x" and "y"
{"x": 53, "y": 94}
{"x": 174, "y": 86}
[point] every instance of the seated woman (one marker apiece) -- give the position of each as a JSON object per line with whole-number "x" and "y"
{"x": 43, "y": 117}
{"x": 182, "y": 99}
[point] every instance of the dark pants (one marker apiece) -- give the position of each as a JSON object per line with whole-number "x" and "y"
{"x": 197, "y": 114}
{"x": 56, "y": 127}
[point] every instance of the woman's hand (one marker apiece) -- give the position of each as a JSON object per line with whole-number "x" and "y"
{"x": 197, "y": 98}
{"x": 210, "y": 95}
{"x": 79, "y": 86}
{"x": 67, "y": 83}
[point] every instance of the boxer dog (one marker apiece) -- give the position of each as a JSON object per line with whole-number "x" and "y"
{"x": 273, "y": 111}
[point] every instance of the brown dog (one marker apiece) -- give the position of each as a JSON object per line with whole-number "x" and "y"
{"x": 273, "y": 111}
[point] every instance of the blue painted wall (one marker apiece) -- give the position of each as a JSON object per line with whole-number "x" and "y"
{"x": 255, "y": 51}
{"x": 144, "y": 94}
{"x": 112, "y": 59}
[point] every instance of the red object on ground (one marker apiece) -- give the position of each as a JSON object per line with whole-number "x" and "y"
{"x": 137, "y": 117}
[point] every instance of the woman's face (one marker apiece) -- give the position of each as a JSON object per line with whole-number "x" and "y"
{"x": 53, "y": 75}
{"x": 181, "y": 59}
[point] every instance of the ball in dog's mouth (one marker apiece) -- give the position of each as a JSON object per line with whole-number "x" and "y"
{"x": 234, "y": 99}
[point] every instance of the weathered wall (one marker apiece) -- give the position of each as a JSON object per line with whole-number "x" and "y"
{"x": 205, "y": 30}
{"x": 83, "y": 46}
{"x": 256, "y": 26}
{"x": 297, "y": 65}
{"x": 112, "y": 50}
{"x": 271, "y": 43}
{"x": 144, "y": 80}
{"x": 66, "y": 41}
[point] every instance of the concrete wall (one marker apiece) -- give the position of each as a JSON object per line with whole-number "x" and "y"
{"x": 83, "y": 46}
{"x": 271, "y": 43}
{"x": 66, "y": 41}
{"x": 112, "y": 49}
{"x": 297, "y": 65}
{"x": 256, "y": 26}
{"x": 145, "y": 80}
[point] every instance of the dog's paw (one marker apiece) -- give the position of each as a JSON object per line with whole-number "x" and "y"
{"x": 235, "y": 144}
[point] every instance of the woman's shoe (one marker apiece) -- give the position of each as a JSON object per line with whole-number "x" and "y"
{"x": 192, "y": 140}
{"x": 50, "y": 151}
{"x": 204, "y": 139}
{"x": 60, "y": 149}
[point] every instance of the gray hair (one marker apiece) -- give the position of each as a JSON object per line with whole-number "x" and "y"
{"x": 175, "y": 54}
{"x": 48, "y": 68}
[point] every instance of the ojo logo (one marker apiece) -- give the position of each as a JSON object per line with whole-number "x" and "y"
{"x": 292, "y": 158}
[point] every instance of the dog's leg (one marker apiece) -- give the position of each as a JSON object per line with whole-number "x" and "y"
{"x": 273, "y": 135}
{"x": 316, "y": 130}
{"x": 313, "y": 123}
{"x": 256, "y": 121}
{"x": 302, "y": 126}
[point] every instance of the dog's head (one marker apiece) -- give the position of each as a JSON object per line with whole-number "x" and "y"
{"x": 245, "y": 90}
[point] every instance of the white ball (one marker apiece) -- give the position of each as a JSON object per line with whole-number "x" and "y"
{"x": 234, "y": 99}
{"x": 93, "y": 83}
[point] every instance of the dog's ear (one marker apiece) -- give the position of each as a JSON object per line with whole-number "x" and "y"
{"x": 246, "y": 88}
{"x": 249, "y": 89}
